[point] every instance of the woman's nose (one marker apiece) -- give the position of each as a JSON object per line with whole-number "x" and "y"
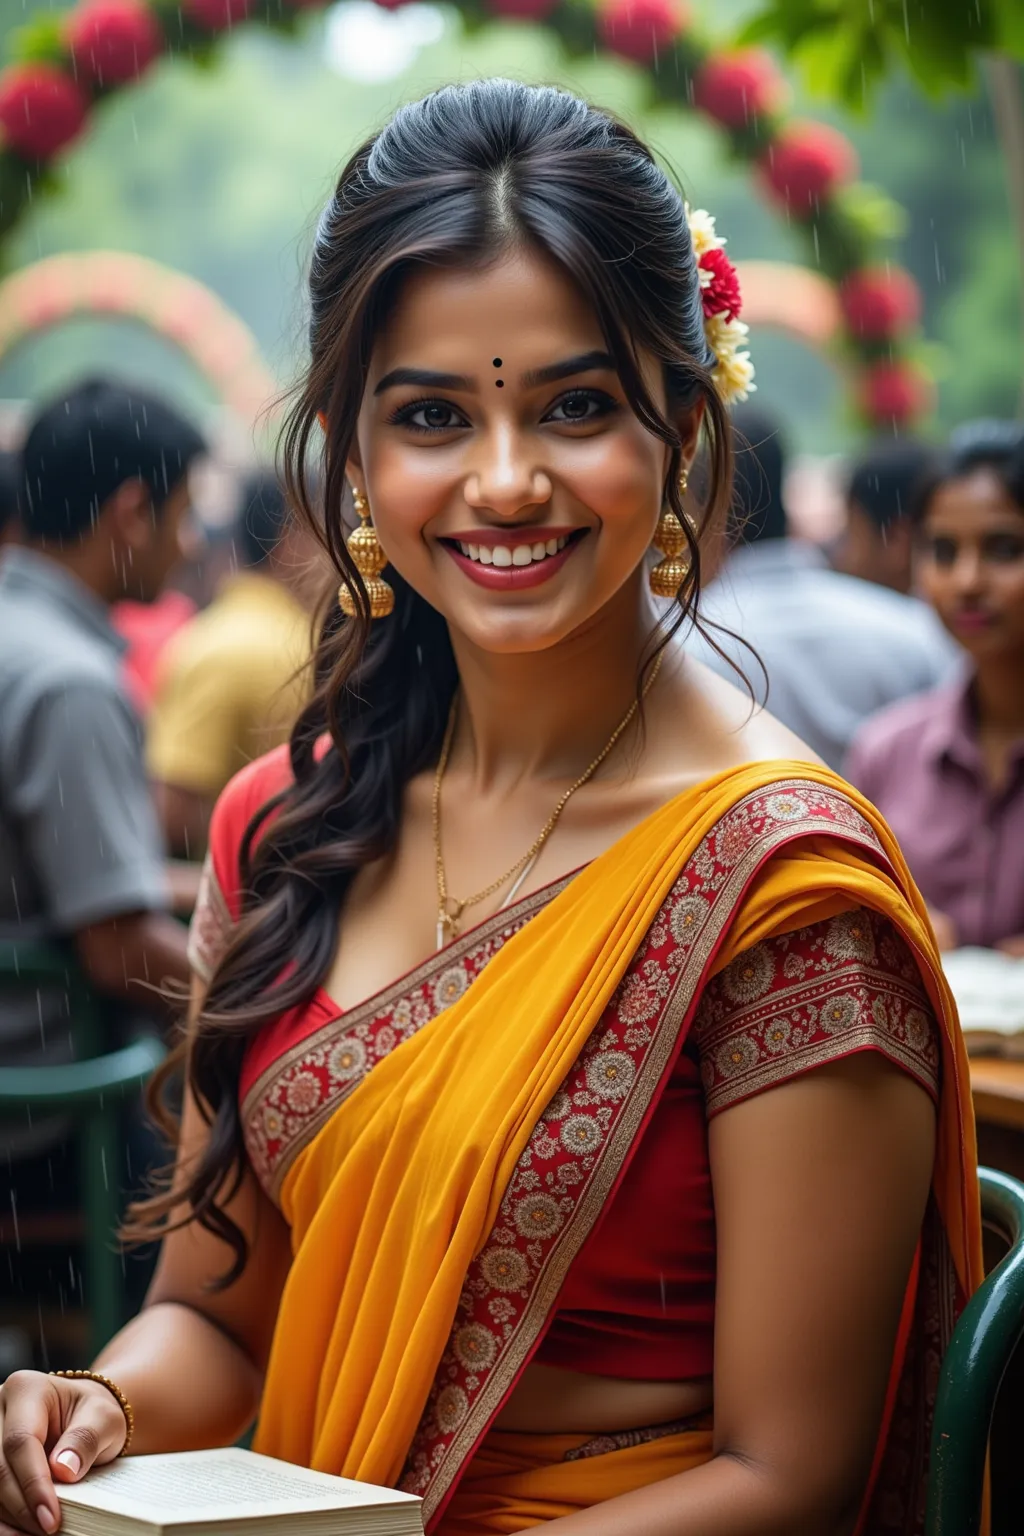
{"x": 506, "y": 477}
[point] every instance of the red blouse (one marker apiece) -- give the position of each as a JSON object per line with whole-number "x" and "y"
{"x": 638, "y": 1302}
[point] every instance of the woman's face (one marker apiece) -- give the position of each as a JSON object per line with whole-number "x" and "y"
{"x": 972, "y": 563}
{"x": 508, "y": 479}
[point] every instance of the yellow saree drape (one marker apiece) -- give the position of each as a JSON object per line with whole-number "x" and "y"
{"x": 393, "y": 1199}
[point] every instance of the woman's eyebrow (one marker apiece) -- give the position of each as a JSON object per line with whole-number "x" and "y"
{"x": 425, "y": 379}
{"x": 586, "y": 362}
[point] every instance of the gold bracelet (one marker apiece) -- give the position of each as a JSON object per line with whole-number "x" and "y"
{"x": 112, "y": 1387}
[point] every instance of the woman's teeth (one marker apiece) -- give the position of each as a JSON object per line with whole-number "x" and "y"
{"x": 503, "y": 554}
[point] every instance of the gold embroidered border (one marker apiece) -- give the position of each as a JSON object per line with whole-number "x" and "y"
{"x": 684, "y": 992}
{"x": 379, "y": 1008}
{"x": 209, "y": 932}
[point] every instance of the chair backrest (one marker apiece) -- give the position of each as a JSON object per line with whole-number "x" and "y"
{"x": 990, "y": 1327}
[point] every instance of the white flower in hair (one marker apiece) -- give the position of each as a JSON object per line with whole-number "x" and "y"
{"x": 734, "y": 372}
{"x": 702, "y": 231}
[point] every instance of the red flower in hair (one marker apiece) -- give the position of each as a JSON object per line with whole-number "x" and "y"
{"x": 721, "y": 295}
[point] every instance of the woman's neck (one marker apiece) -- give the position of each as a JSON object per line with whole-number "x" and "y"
{"x": 546, "y": 714}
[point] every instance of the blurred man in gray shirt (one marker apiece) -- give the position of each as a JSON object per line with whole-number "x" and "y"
{"x": 835, "y": 649}
{"x": 102, "y": 495}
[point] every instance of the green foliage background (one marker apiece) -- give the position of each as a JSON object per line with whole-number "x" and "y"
{"x": 220, "y": 171}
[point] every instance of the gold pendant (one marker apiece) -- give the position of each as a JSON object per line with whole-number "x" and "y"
{"x": 448, "y": 921}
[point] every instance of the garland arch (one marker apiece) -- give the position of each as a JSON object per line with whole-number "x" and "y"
{"x": 118, "y": 285}
{"x": 65, "y": 65}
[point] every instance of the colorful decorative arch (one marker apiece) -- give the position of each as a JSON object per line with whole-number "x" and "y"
{"x": 119, "y": 285}
{"x": 65, "y": 65}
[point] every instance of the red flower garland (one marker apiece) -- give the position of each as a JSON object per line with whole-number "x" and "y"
{"x": 879, "y": 302}
{"x": 734, "y": 88}
{"x": 805, "y": 165}
{"x": 41, "y": 109}
{"x": 113, "y": 41}
{"x": 640, "y": 29}
{"x": 217, "y": 15}
{"x": 894, "y": 392}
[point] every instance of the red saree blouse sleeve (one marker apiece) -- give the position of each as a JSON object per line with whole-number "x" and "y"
{"x": 219, "y": 904}
{"x": 799, "y": 1000}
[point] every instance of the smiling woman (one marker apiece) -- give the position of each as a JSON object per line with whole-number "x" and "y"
{"x": 644, "y": 1202}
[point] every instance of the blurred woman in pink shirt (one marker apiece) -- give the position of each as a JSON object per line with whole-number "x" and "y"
{"x": 946, "y": 768}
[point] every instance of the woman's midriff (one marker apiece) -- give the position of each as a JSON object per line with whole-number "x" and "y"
{"x": 548, "y": 1400}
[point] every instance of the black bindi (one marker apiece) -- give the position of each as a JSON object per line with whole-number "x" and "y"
{"x": 497, "y": 362}
{"x": 498, "y": 383}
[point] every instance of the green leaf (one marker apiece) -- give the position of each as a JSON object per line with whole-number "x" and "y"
{"x": 872, "y": 210}
{"x": 40, "y": 41}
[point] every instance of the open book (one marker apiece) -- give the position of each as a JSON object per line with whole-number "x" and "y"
{"x": 229, "y": 1493}
{"x": 989, "y": 991}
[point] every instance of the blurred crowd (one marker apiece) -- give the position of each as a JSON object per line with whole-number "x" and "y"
{"x": 145, "y": 657}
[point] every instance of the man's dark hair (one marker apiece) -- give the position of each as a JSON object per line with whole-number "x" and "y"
{"x": 262, "y": 518}
{"x": 87, "y": 442}
{"x": 758, "y": 510}
{"x": 885, "y": 477}
{"x": 995, "y": 446}
{"x": 10, "y": 477}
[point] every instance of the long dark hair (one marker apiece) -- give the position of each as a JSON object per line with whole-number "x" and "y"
{"x": 453, "y": 180}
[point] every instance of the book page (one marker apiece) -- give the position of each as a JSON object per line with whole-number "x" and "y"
{"x": 217, "y": 1485}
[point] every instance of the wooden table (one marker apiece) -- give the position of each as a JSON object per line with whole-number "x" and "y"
{"x": 998, "y": 1089}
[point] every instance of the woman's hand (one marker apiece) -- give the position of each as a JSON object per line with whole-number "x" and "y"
{"x": 52, "y": 1429}
{"x": 1013, "y": 946}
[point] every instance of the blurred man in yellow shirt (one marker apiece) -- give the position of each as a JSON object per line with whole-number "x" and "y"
{"x": 233, "y": 679}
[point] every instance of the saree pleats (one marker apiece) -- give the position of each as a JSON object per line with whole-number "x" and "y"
{"x": 393, "y": 1199}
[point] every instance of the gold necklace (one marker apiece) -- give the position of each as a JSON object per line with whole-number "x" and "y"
{"x": 450, "y": 908}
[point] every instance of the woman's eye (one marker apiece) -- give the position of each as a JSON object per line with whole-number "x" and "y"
{"x": 943, "y": 551}
{"x": 1004, "y": 548}
{"x": 428, "y": 416}
{"x": 581, "y": 405}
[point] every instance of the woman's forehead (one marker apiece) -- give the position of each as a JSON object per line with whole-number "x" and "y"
{"x": 522, "y": 309}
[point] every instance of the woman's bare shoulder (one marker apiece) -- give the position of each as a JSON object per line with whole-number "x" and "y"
{"x": 722, "y": 726}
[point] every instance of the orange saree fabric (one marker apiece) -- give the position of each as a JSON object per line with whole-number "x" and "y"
{"x": 425, "y": 1262}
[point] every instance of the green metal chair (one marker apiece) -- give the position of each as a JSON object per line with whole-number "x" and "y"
{"x": 991, "y": 1326}
{"x": 89, "y": 1090}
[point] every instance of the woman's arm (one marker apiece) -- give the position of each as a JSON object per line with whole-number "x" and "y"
{"x": 191, "y": 1364}
{"x": 820, "y": 1189}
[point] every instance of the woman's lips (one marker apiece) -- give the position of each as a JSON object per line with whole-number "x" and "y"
{"x": 512, "y": 578}
{"x": 973, "y": 621}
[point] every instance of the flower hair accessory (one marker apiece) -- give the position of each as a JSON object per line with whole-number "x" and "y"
{"x": 720, "y": 292}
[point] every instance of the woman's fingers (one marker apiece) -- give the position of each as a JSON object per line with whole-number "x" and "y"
{"x": 30, "y": 1416}
{"x": 94, "y": 1432}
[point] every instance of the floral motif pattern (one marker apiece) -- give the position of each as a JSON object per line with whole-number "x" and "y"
{"x": 558, "y": 1188}
{"x": 565, "y": 1172}
{"x": 302, "y": 1089}
{"x": 831, "y": 989}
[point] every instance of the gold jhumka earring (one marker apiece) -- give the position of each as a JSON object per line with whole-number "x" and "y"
{"x": 669, "y": 540}
{"x": 369, "y": 560}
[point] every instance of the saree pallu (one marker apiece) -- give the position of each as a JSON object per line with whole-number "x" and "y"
{"x": 430, "y": 1237}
